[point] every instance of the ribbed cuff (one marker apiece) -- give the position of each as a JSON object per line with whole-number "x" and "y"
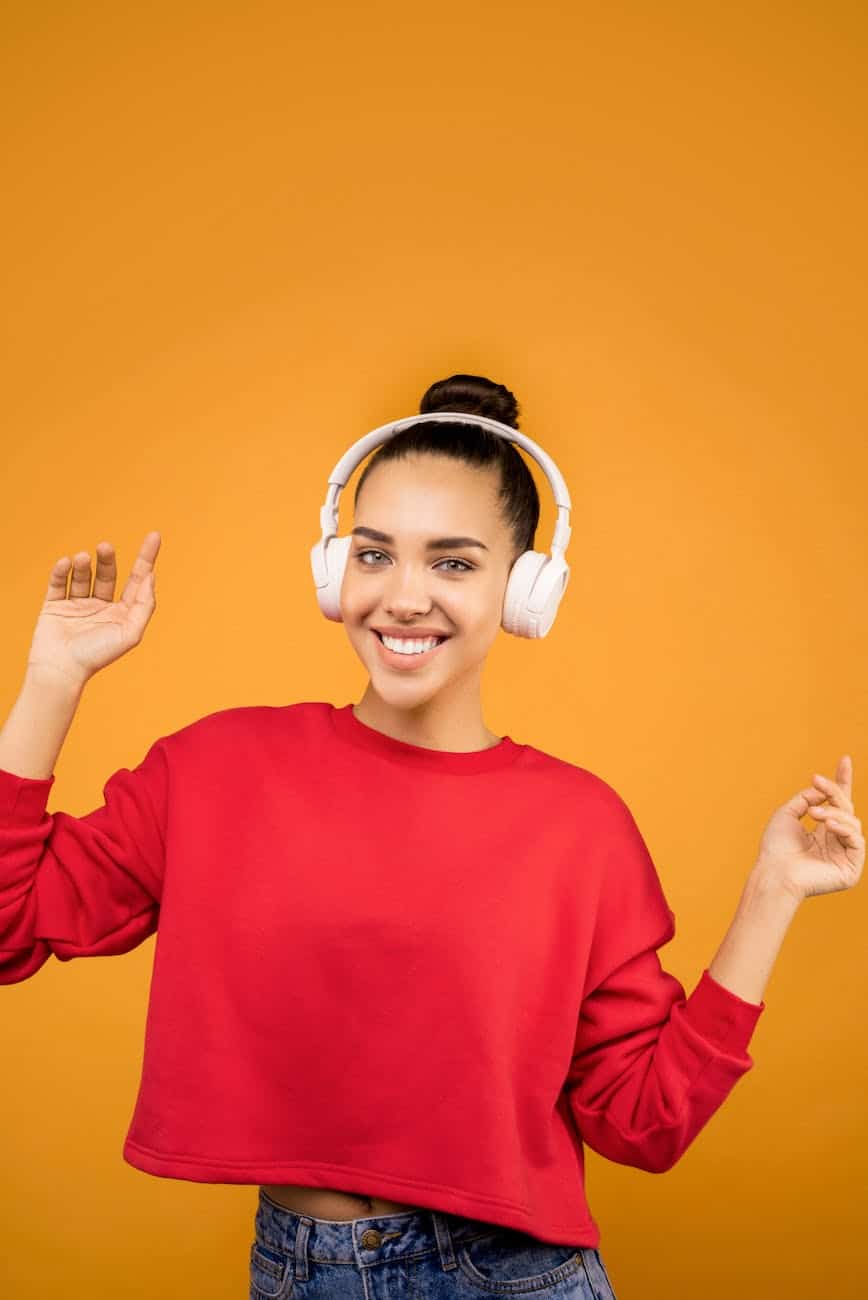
{"x": 23, "y": 798}
{"x": 721, "y": 1016}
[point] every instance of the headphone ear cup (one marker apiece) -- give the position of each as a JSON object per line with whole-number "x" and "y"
{"x": 541, "y": 577}
{"x": 522, "y": 577}
{"x": 331, "y": 559}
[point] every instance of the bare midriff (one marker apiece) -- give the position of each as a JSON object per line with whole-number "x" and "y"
{"x": 324, "y": 1203}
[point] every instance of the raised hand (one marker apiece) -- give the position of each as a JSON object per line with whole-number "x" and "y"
{"x": 830, "y": 857}
{"x": 80, "y": 632}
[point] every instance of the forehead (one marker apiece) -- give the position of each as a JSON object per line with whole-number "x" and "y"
{"x": 426, "y": 495}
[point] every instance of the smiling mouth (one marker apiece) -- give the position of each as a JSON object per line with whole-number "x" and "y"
{"x": 440, "y": 639}
{"x": 406, "y": 658}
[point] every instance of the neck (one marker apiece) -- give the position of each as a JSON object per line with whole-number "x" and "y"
{"x": 451, "y": 724}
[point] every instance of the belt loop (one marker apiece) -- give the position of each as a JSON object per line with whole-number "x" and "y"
{"x": 445, "y": 1245}
{"x": 299, "y": 1250}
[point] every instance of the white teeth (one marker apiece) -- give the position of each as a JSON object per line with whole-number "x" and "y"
{"x": 408, "y": 646}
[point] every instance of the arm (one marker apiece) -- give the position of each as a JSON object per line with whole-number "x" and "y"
{"x": 73, "y": 886}
{"x": 651, "y": 1065}
{"x": 36, "y": 728}
{"x": 749, "y": 949}
{"x": 793, "y": 864}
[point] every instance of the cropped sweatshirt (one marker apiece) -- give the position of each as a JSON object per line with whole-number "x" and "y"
{"x": 423, "y": 975}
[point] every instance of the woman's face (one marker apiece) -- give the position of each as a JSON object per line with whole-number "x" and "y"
{"x": 396, "y": 577}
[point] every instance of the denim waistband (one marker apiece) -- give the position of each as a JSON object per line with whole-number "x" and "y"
{"x": 372, "y": 1239}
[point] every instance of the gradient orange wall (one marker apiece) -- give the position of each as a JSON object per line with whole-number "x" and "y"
{"x": 238, "y": 237}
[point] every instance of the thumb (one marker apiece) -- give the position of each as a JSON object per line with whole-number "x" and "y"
{"x": 144, "y": 604}
{"x": 804, "y": 801}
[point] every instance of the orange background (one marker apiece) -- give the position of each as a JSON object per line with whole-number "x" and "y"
{"x": 239, "y": 237}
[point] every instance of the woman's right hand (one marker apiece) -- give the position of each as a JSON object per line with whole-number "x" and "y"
{"x": 77, "y": 635}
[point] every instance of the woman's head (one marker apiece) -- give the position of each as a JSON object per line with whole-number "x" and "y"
{"x": 432, "y": 482}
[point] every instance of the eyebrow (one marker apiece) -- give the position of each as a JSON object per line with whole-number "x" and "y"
{"x": 436, "y": 544}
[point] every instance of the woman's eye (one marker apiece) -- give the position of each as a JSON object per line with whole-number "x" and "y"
{"x": 360, "y": 555}
{"x": 454, "y": 561}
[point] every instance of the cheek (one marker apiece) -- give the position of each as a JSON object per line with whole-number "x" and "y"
{"x": 354, "y": 598}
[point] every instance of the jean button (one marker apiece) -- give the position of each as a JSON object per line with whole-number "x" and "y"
{"x": 370, "y": 1238}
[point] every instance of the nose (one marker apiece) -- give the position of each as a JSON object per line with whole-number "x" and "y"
{"x": 404, "y": 593}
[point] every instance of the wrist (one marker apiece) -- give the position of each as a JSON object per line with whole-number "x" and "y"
{"x": 57, "y": 681}
{"x": 768, "y": 883}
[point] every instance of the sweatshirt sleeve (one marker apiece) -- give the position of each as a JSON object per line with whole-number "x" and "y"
{"x": 85, "y": 886}
{"x": 650, "y": 1065}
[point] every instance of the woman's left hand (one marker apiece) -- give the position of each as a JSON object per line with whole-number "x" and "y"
{"x": 826, "y": 859}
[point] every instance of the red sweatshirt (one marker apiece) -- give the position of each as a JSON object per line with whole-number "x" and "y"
{"x": 421, "y": 975}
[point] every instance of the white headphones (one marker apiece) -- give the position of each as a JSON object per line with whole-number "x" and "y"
{"x": 537, "y": 581}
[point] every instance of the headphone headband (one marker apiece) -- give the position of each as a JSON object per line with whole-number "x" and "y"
{"x": 343, "y": 470}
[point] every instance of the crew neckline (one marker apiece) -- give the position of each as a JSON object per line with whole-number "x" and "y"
{"x": 352, "y": 729}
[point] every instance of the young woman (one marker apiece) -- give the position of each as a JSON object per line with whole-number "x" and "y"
{"x": 405, "y": 968}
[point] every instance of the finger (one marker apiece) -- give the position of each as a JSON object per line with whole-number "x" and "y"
{"x": 150, "y": 546}
{"x": 106, "y": 572}
{"x": 834, "y": 817}
{"x": 833, "y": 791}
{"x": 845, "y": 774}
{"x": 847, "y": 833}
{"x": 79, "y": 583}
{"x": 806, "y": 800}
{"x": 143, "y": 606}
{"x": 57, "y": 579}
{"x": 142, "y": 566}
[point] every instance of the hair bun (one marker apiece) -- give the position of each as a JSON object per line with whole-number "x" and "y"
{"x": 474, "y": 394}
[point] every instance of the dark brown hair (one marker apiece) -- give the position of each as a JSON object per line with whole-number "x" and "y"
{"x": 473, "y": 444}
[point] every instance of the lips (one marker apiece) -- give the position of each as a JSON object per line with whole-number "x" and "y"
{"x": 404, "y": 662}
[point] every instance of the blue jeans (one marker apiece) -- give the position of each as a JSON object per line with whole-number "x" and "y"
{"x": 417, "y": 1255}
